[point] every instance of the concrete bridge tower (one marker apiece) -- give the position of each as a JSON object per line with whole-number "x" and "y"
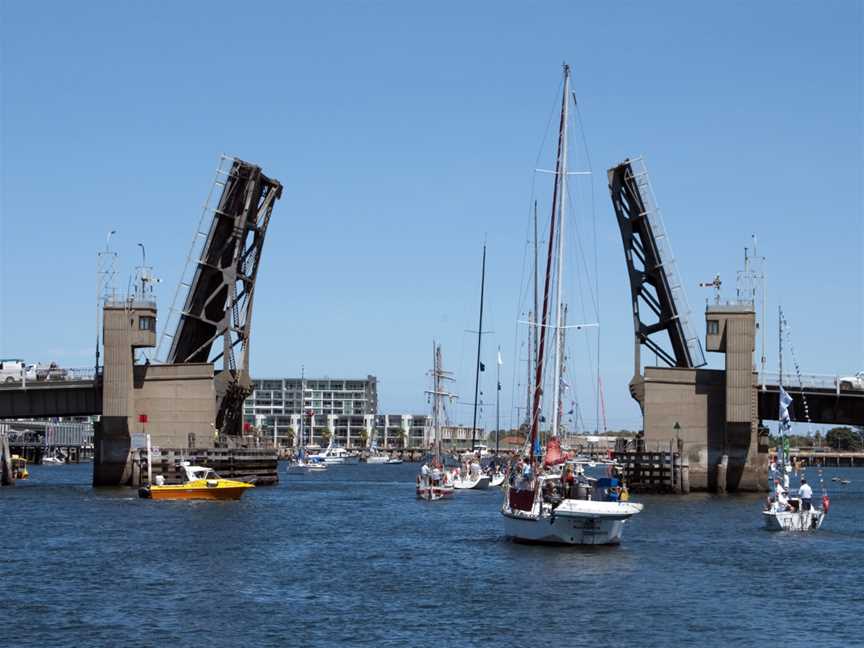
{"x": 127, "y": 325}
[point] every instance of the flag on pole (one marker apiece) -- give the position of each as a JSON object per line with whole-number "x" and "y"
{"x": 500, "y": 361}
{"x": 482, "y": 367}
{"x": 785, "y": 402}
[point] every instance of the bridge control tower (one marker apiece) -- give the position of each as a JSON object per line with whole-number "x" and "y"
{"x": 172, "y": 403}
{"x": 712, "y": 413}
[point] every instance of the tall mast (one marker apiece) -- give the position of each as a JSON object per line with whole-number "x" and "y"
{"x": 780, "y": 339}
{"x": 479, "y": 338}
{"x": 559, "y": 406}
{"x": 530, "y": 364}
{"x": 532, "y": 321}
{"x": 562, "y": 201}
{"x": 498, "y": 400}
{"x": 436, "y": 395}
{"x": 538, "y": 375}
{"x": 536, "y": 278}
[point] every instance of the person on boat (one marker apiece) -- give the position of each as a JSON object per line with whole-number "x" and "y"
{"x": 782, "y": 500}
{"x": 436, "y": 475}
{"x": 625, "y": 494}
{"x": 806, "y": 495}
{"x": 424, "y": 470}
{"x": 569, "y": 480}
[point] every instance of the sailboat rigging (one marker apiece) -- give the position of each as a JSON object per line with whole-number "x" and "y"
{"x": 433, "y": 482}
{"x": 553, "y": 501}
{"x": 784, "y": 512}
{"x": 479, "y": 343}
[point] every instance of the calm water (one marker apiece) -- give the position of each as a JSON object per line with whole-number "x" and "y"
{"x": 350, "y": 557}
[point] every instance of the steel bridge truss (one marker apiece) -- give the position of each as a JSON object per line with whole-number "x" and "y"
{"x": 658, "y": 299}
{"x": 220, "y": 285}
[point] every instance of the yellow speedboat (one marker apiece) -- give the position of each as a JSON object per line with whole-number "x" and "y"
{"x": 201, "y": 484}
{"x": 19, "y": 467}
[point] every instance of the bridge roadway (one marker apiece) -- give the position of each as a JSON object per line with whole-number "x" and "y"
{"x": 825, "y": 404}
{"x": 43, "y": 399}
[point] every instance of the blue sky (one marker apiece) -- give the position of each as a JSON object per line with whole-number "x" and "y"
{"x": 405, "y": 134}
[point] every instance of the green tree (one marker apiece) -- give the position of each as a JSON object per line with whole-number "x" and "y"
{"x": 844, "y": 438}
{"x": 325, "y": 436}
{"x": 364, "y": 438}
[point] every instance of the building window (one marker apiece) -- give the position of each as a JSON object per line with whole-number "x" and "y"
{"x": 713, "y": 327}
{"x": 146, "y": 323}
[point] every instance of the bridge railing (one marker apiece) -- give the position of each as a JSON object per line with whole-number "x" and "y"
{"x": 68, "y": 434}
{"x": 42, "y": 375}
{"x": 792, "y": 381}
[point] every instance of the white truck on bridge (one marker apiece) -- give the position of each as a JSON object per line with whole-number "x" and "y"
{"x": 852, "y": 382}
{"x": 14, "y": 370}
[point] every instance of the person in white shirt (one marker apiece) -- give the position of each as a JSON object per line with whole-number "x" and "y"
{"x": 424, "y": 470}
{"x": 806, "y": 495}
{"x": 782, "y": 500}
{"x": 436, "y": 475}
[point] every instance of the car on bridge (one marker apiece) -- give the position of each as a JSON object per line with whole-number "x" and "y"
{"x": 855, "y": 382}
{"x": 13, "y": 370}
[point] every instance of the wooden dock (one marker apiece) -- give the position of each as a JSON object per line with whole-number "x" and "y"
{"x": 835, "y": 459}
{"x": 658, "y": 471}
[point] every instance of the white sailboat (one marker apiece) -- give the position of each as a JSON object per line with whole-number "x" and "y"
{"x": 303, "y": 464}
{"x": 539, "y": 506}
{"x": 785, "y": 511}
{"x": 433, "y": 482}
{"x": 471, "y": 477}
{"x": 375, "y": 455}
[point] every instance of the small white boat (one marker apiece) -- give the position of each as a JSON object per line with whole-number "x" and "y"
{"x": 572, "y": 522}
{"x": 472, "y": 482}
{"x": 376, "y": 456}
{"x": 333, "y": 455}
{"x": 471, "y": 477}
{"x": 496, "y": 479}
{"x": 783, "y": 512}
{"x": 394, "y": 460}
{"x": 301, "y": 467}
{"x": 793, "y": 520}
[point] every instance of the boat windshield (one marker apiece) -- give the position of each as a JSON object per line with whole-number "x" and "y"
{"x": 204, "y": 473}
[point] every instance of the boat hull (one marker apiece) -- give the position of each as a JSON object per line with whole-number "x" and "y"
{"x": 470, "y": 484}
{"x": 433, "y": 493}
{"x": 224, "y": 490}
{"x": 793, "y": 520}
{"x": 377, "y": 460}
{"x": 574, "y": 522}
{"x": 496, "y": 480}
{"x": 341, "y": 460}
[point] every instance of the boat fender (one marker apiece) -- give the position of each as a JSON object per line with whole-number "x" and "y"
{"x": 826, "y": 504}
